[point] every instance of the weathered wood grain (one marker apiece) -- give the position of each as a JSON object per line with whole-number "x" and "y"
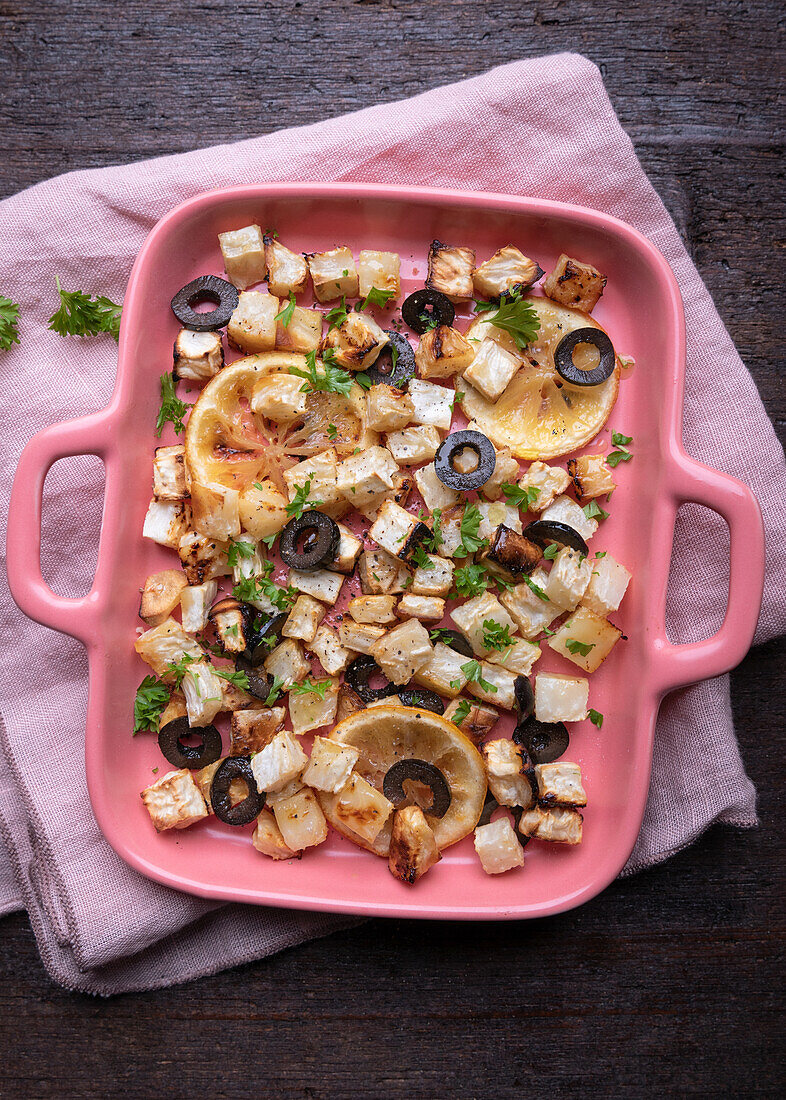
{"x": 669, "y": 982}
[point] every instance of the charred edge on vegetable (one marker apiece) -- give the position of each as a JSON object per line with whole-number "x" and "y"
{"x": 512, "y": 551}
{"x": 420, "y": 533}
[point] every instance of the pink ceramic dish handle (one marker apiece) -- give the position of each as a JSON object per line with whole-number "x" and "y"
{"x": 679, "y": 665}
{"x": 77, "y": 617}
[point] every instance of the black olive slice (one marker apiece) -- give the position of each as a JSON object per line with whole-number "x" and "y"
{"x": 316, "y": 534}
{"x": 563, "y": 357}
{"x": 172, "y": 735}
{"x": 456, "y": 641}
{"x": 546, "y": 531}
{"x": 421, "y": 309}
{"x": 525, "y": 697}
{"x": 384, "y": 369}
{"x": 421, "y": 697}
{"x": 235, "y": 767}
{"x": 264, "y": 635}
{"x": 421, "y": 772}
{"x": 544, "y": 741}
{"x": 450, "y": 448}
{"x": 489, "y": 806}
{"x": 207, "y": 288}
{"x": 259, "y": 681}
{"x": 358, "y": 675}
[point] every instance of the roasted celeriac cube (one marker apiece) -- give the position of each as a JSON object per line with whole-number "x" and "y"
{"x": 321, "y": 471}
{"x": 380, "y": 270}
{"x": 248, "y": 560}
{"x": 169, "y": 474}
{"x": 326, "y": 646}
{"x": 304, "y": 618}
{"x": 530, "y": 613}
{"x": 197, "y": 356}
{"x": 349, "y": 702}
{"x": 568, "y": 579}
{"x": 442, "y": 352}
{"x": 302, "y": 333}
{"x": 362, "y": 808}
{"x": 263, "y": 509}
{"x": 403, "y": 651}
{"x": 360, "y": 637}
{"x": 254, "y": 728}
{"x": 492, "y": 369}
{"x": 591, "y": 476}
{"x": 497, "y": 687}
{"x": 506, "y": 470}
{"x": 161, "y": 595}
{"x": 195, "y": 601}
{"x": 399, "y": 494}
{"x": 373, "y": 609}
{"x": 506, "y": 270}
{"x": 165, "y": 644}
{"x": 252, "y": 326}
{"x": 309, "y": 710}
{"x": 395, "y": 530}
{"x": 279, "y": 397}
{"x": 301, "y": 820}
{"x": 608, "y": 584}
{"x": 586, "y": 639}
{"x": 349, "y": 550}
{"x": 450, "y": 271}
{"x": 279, "y": 762}
{"x": 550, "y": 481}
{"x": 287, "y": 271}
{"x": 496, "y": 513}
{"x": 364, "y": 476}
{"x": 435, "y": 494}
{"x": 334, "y": 274}
{"x": 559, "y": 784}
{"x": 565, "y": 510}
{"x": 560, "y": 698}
{"x": 429, "y": 609}
{"x": 215, "y": 511}
{"x": 574, "y": 284}
{"x": 381, "y": 573}
{"x": 387, "y": 408}
{"x": 518, "y": 658}
{"x": 497, "y": 847}
{"x": 202, "y": 690}
{"x": 202, "y": 558}
{"x": 413, "y": 847}
{"x": 481, "y": 330}
{"x": 357, "y": 341}
{"x": 471, "y": 616}
{"x": 268, "y": 840}
{"x": 479, "y": 720}
{"x": 174, "y": 801}
{"x": 288, "y": 662}
{"x": 244, "y": 255}
{"x": 507, "y": 778}
{"x": 166, "y": 522}
{"x": 442, "y": 672}
{"x": 414, "y": 444}
{"x": 321, "y": 584}
{"x": 431, "y": 404}
{"x": 204, "y": 780}
{"x": 290, "y": 788}
{"x": 434, "y": 580}
{"x": 330, "y": 765}
{"x": 557, "y": 824}
{"x": 450, "y": 530}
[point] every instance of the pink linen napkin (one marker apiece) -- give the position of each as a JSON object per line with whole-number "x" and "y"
{"x": 544, "y": 128}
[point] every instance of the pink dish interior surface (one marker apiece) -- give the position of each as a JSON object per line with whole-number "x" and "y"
{"x": 641, "y": 310}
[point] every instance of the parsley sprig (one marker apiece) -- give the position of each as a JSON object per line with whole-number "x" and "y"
{"x": 469, "y": 528}
{"x": 495, "y": 635}
{"x": 172, "y": 409}
{"x": 596, "y": 718}
{"x": 237, "y": 550}
{"x": 470, "y": 580}
{"x": 421, "y": 558}
{"x": 83, "y": 315}
{"x": 535, "y": 588}
{"x": 331, "y": 379}
{"x": 474, "y": 673}
{"x": 336, "y": 316}
{"x": 593, "y": 510}
{"x": 582, "y": 648}
{"x": 9, "y": 330}
{"x": 238, "y": 678}
{"x": 152, "y": 696}
{"x": 375, "y": 297}
{"x": 312, "y": 687}
{"x": 285, "y": 316}
{"x": 621, "y": 454}
{"x": 275, "y": 691}
{"x": 261, "y": 587}
{"x": 297, "y": 505}
{"x": 461, "y": 712}
{"x": 521, "y": 498}
{"x": 515, "y": 316}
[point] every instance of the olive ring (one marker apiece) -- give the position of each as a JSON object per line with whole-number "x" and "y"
{"x": 207, "y": 288}
{"x": 420, "y": 697}
{"x": 321, "y": 538}
{"x": 422, "y": 772}
{"x": 393, "y": 370}
{"x": 172, "y": 735}
{"x": 546, "y": 531}
{"x": 543, "y": 741}
{"x": 422, "y": 308}
{"x": 358, "y": 675}
{"x": 262, "y": 639}
{"x": 563, "y": 357}
{"x": 446, "y": 455}
{"x": 235, "y": 767}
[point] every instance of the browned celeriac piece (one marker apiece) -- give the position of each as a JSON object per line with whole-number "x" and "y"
{"x": 279, "y": 397}
{"x": 303, "y": 332}
{"x": 380, "y": 270}
{"x": 329, "y": 651}
{"x": 304, "y": 619}
{"x": 300, "y": 820}
{"x": 381, "y": 573}
{"x": 244, "y": 255}
{"x": 507, "y": 270}
{"x": 356, "y": 342}
{"x": 165, "y": 645}
{"x": 166, "y": 522}
{"x": 387, "y": 408}
{"x": 310, "y": 710}
{"x": 287, "y": 271}
{"x": 197, "y": 356}
{"x": 252, "y": 326}
{"x": 262, "y": 509}
{"x": 402, "y": 651}
{"x": 215, "y": 511}
{"x": 268, "y": 840}
{"x": 359, "y": 637}
{"x": 203, "y": 559}
{"x": 479, "y": 720}
{"x": 591, "y": 476}
{"x": 586, "y": 639}
{"x": 379, "y": 610}
{"x": 252, "y": 729}
{"x": 413, "y": 847}
{"x": 174, "y": 801}
{"x": 161, "y": 595}
{"x": 334, "y": 274}
{"x": 559, "y": 784}
{"x": 507, "y": 775}
{"x": 450, "y": 271}
{"x": 557, "y": 824}
{"x": 429, "y": 609}
{"x": 575, "y": 284}
{"x": 442, "y": 352}
{"x": 169, "y": 473}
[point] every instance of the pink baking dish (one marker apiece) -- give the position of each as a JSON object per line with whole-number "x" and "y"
{"x": 641, "y": 309}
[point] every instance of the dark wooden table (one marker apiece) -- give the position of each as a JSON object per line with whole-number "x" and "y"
{"x": 670, "y": 981}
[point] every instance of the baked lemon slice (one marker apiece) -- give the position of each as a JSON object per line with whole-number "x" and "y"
{"x": 227, "y": 445}
{"x": 385, "y": 735}
{"x": 540, "y": 415}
